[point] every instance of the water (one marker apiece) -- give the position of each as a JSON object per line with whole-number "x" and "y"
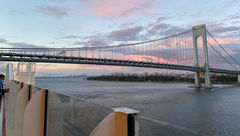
{"x": 207, "y": 111}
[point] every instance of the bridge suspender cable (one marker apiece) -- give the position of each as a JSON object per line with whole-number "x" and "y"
{"x": 222, "y": 56}
{"x": 223, "y": 48}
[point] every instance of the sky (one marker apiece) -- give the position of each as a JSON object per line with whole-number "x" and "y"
{"x": 80, "y": 23}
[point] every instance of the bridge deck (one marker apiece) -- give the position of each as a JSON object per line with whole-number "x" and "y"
{"x": 99, "y": 61}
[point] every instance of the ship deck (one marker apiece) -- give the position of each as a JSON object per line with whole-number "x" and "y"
{"x": 1, "y": 124}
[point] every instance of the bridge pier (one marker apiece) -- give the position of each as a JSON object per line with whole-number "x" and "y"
{"x": 200, "y": 31}
{"x": 197, "y": 80}
{"x": 207, "y": 80}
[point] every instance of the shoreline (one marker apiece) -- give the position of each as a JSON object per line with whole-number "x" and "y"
{"x": 216, "y": 79}
{"x": 236, "y": 84}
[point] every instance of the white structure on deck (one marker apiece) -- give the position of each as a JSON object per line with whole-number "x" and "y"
{"x": 26, "y": 72}
{"x": 9, "y": 72}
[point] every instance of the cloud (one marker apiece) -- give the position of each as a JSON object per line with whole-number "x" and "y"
{"x": 93, "y": 41}
{"x": 158, "y": 27}
{"x": 20, "y": 44}
{"x": 24, "y": 45}
{"x": 233, "y": 17}
{"x": 102, "y": 8}
{"x": 157, "y": 21}
{"x": 219, "y": 30}
{"x": 128, "y": 34}
{"x": 163, "y": 30}
{"x": 226, "y": 40}
{"x": 226, "y": 29}
{"x": 230, "y": 3}
{"x": 3, "y": 40}
{"x": 126, "y": 25}
{"x": 52, "y": 11}
{"x": 69, "y": 37}
{"x": 119, "y": 8}
{"x": 121, "y": 35}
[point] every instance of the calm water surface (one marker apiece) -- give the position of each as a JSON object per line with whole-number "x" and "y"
{"x": 211, "y": 112}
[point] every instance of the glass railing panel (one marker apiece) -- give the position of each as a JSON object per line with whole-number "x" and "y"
{"x": 151, "y": 127}
{"x": 10, "y": 104}
{"x": 34, "y": 90}
{"x": 68, "y": 116}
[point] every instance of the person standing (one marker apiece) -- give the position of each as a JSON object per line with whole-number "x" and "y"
{"x": 2, "y": 90}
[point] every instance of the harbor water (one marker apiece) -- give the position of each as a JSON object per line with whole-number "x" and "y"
{"x": 214, "y": 112}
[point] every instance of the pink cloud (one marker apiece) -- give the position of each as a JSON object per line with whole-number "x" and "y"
{"x": 225, "y": 40}
{"x": 149, "y": 58}
{"x": 122, "y": 8}
{"x": 43, "y": 67}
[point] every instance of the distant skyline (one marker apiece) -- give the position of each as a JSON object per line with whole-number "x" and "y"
{"x": 79, "y": 23}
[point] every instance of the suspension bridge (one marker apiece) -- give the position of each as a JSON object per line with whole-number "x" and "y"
{"x": 193, "y": 50}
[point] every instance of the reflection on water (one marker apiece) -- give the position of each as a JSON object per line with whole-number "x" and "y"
{"x": 212, "y": 112}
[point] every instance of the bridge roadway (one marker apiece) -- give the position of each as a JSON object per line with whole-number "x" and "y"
{"x": 99, "y": 61}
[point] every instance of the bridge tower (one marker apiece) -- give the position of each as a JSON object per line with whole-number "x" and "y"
{"x": 200, "y": 31}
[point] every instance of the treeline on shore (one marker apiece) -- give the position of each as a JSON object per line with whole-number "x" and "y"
{"x": 163, "y": 78}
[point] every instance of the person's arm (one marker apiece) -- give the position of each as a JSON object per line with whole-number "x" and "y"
{"x": 6, "y": 90}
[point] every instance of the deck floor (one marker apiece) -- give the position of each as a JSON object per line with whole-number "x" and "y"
{"x": 0, "y": 123}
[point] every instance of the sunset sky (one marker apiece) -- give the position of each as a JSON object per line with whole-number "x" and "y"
{"x": 80, "y": 23}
